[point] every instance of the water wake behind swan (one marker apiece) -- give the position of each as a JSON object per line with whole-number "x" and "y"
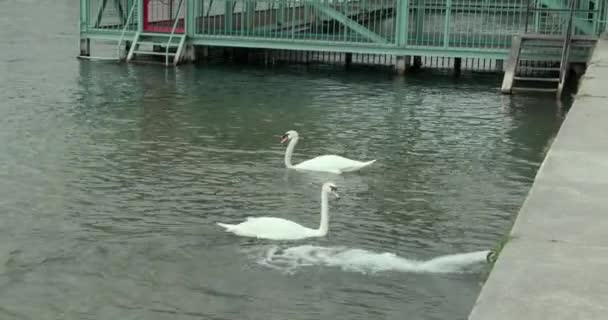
{"x": 359, "y": 260}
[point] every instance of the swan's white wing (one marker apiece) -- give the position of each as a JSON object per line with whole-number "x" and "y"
{"x": 271, "y": 228}
{"x": 331, "y": 163}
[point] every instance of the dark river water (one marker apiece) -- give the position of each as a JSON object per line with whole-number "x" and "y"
{"x": 113, "y": 177}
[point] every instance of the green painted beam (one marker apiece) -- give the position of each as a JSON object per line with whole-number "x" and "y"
{"x": 345, "y": 21}
{"x": 324, "y": 46}
{"x": 446, "y": 23}
{"x": 140, "y": 13}
{"x": 191, "y": 11}
{"x": 228, "y": 12}
{"x": 249, "y": 14}
{"x": 402, "y": 23}
{"x": 84, "y": 15}
{"x": 419, "y": 22}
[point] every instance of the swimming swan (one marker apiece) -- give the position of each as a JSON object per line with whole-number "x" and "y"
{"x": 326, "y": 163}
{"x": 281, "y": 229}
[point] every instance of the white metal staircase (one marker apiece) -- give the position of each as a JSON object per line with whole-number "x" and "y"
{"x": 540, "y": 62}
{"x": 168, "y": 45}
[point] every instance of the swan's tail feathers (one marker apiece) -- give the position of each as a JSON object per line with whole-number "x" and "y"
{"x": 369, "y": 163}
{"x": 358, "y": 167}
{"x": 228, "y": 227}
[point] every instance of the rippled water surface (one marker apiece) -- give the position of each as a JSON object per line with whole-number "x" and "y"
{"x": 113, "y": 176}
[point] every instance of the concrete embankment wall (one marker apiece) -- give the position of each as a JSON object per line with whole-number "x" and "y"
{"x": 555, "y": 265}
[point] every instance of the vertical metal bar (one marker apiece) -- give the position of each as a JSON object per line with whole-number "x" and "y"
{"x": 419, "y": 27}
{"x": 402, "y": 22}
{"x": 437, "y": 32}
{"x": 426, "y": 24}
{"x": 84, "y": 16}
{"x": 306, "y": 14}
{"x": 344, "y": 31}
{"x": 446, "y": 26}
{"x": 527, "y": 16}
{"x": 143, "y": 15}
{"x": 293, "y": 19}
{"x": 190, "y": 17}
{"x": 281, "y": 13}
{"x": 566, "y": 50}
{"x": 204, "y": 27}
{"x": 228, "y": 16}
{"x": 248, "y": 14}
{"x": 536, "y": 16}
{"x": 605, "y": 5}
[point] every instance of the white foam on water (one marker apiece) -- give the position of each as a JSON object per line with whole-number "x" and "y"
{"x": 358, "y": 260}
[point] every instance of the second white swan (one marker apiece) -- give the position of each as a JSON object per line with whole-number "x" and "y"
{"x": 281, "y": 229}
{"x": 325, "y": 163}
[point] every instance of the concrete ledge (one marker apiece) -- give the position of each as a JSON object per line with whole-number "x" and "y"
{"x": 555, "y": 266}
{"x": 545, "y": 280}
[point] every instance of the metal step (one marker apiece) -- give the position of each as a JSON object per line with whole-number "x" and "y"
{"x": 151, "y": 62}
{"x": 154, "y": 53}
{"x": 163, "y": 44}
{"x": 545, "y": 37}
{"x": 536, "y": 79}
{"x": 534, "y": 59}
{"x": 534, "y": 89}
{"x": 538, "y": 68}
{"x": 161, "y": 35}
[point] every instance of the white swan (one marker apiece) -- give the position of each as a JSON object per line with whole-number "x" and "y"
{"x": 281, "y": 229}
{"x": 326, "y": 163}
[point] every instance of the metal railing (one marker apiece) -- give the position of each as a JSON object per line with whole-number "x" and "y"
{"x": 554, "y": 19}
{"x": 180, "y": 6}
{"x": 563, "y": 70}
{"x": 110, "y": 15}
{"x": 346, "y": 21}
{"x": 429, "y": 23}
{"x": 438, "y": 24}
{"x": 124, "y": 30}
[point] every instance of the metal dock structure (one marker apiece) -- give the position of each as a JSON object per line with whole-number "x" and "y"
{"x": 530, "y": 40}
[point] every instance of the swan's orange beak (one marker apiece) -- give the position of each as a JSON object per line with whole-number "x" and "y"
{"x": 284, "y": 138}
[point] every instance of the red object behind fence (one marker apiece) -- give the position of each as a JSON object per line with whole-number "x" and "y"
{"x": 159, "y": 16}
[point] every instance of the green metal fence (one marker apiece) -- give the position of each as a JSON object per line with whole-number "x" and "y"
{"x": 427, "y": 23}
{"x": 108, "y": 15}
{"x": 392, "y": 24}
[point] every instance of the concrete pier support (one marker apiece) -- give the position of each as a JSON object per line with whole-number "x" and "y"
{"x": 402, "y": 63}
{"x": 85, "y": 47}
{"x": 500, "y": 65}
{"x": 457, "y": 66}
{"x": 348, "y": 60}
{"x": 190, "y": 53}
{"x": 123, "y": 55}
{"x": 417, "y": 64}
{"x": 203, "y": 53}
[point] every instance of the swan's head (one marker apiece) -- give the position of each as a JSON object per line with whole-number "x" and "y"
{"x": 331, "y": 188}
{"x": 291, "y": 134}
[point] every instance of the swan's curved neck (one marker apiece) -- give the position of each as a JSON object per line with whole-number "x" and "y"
{"x": 289, "y": 152}
{"x": 323, "y": 228}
